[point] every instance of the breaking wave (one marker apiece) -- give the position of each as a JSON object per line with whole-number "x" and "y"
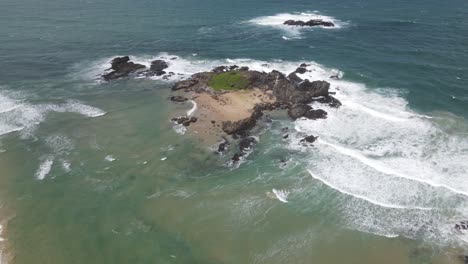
{"x": 276, "y": 21}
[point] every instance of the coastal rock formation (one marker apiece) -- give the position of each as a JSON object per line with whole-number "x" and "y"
{"x": 186, "y": 121}
{"x": 158, "y": 66}
{"x": 310, "y": 23}
{"x": 309, "y": 139}
{"x": 231, "y": 100}
{"x": 122, "y": 67}
{"x": 178, "y": 98}
{"x": 242, "y": 125}
{"x": 302, "y": 110}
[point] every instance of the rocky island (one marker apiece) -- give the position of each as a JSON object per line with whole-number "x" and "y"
{"x": 310, "y": 23}
{"x": 229, "y": 100}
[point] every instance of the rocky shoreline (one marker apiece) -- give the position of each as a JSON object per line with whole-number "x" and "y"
{"x": 232, "y": 99}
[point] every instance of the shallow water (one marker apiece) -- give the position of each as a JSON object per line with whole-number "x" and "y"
{"x": 94, "y": 172}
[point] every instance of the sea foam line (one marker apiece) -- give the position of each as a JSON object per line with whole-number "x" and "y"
{"x": 362, "y": 197}
{"x": 384, "y": 169}
{"x": 194, "y": 108}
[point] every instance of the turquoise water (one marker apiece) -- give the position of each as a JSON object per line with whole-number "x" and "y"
{"x": 94, "y": 172}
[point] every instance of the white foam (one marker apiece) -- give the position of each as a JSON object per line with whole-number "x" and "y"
{"x": 281, "y": 195}
{"x": 277, "y": 21}
{"x": 44, "y": 168}
{"x": 19, "y": 115}
{"x": 329, "y": 184}
{"x": 109, "y": 158}
{"x": 193, "y": 109}
{"x": 398, "y": 164}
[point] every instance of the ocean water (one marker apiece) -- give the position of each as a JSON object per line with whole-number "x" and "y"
{"x": 94, "y": 172}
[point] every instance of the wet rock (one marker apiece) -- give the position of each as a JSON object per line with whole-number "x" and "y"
{"x": 233, "y": 67}
{"x": 185, "y": 121}
{"x": 178, "y": 98}
{"x": 180, "y": 120}
{"x": 186, "y": 84}
{"x": 122, "y": 67}
{"x": 237, "y": 157}
{"x": 303, "y": 65}
{"x": 315, "y": 88}
{"x": 309, "y": 139}
{"x": 244, "y": 68}
{"x": 316, "y": 114}
{"x": 247, "y": 143}
{"x": 293, "y": 77}
{"x": 286, "y": 136}
{"x": 335, "y": 77}
{"x": 298, "y": 111}
{"x": 301, "y": 70}
{"x": 310, "y": 23}
{"x": 158, "y": 66}
{"x": 223, "y": 146}
{"x": 242, "y": 125}
{"x": 220, "y": 69}
{"x": 330, "y": 100}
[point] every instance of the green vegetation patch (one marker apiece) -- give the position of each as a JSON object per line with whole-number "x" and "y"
{"x": 232, "y": 80}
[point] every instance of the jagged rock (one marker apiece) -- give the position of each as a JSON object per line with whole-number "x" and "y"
{"x": 301, "y": 70}
{"x": 180, "y": 120}
{"x": 158, "y": 65}
{"x": 330, "y": 100}
{"x": 223, "y": 146}
{"x": 335, "y": 77}
{"x": 316, "y": 114}
{"x": 220, "y": 69}
{"x": 303, "y": 65}
{"x": 233, "y": 67}
{"x": 237, "y": 157}
{"x": 315, "y": 88}
{"x": 293, "y": 77}
{"x": 178, "y": 98}
{"x": 122, "y": 67}
{"x": 185, "y": 84}
{"x": 298, "y": 111}
{"x": 310, "y": 23}
{"x": 309, "y": 139}
{"x": 247, "y": 143}
{"x": 242, "y": 125}
{"x": 244, "y": 68}
{"x": 185, "y": 121}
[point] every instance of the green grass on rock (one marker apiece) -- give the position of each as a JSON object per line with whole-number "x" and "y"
{"x": 232, "y": 80}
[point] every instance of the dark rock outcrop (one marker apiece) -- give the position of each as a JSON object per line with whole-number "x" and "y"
{"x": 298, "y": 110}
{"x": 223, "y": 146}
{"x": 301, "y": 70}
{"x": 185, "y": 84}
{"x": 315, "y": 88}
{"x": 310, "y": 23}
{"x": 302, "y": 110}
{"x": 309, "y": 139}
{"x": 178, "y": 98}
{"x": 122, "y": 67}
{"x": 158, "y": 66}
{"x": 316, "y": 114}
{"x": 185, "y": 121}
{"x": 330, "y": 100}
{"x": 294, "y": 78}
{"x": 247, "y": 143}
{"x": 242, "y": 125}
